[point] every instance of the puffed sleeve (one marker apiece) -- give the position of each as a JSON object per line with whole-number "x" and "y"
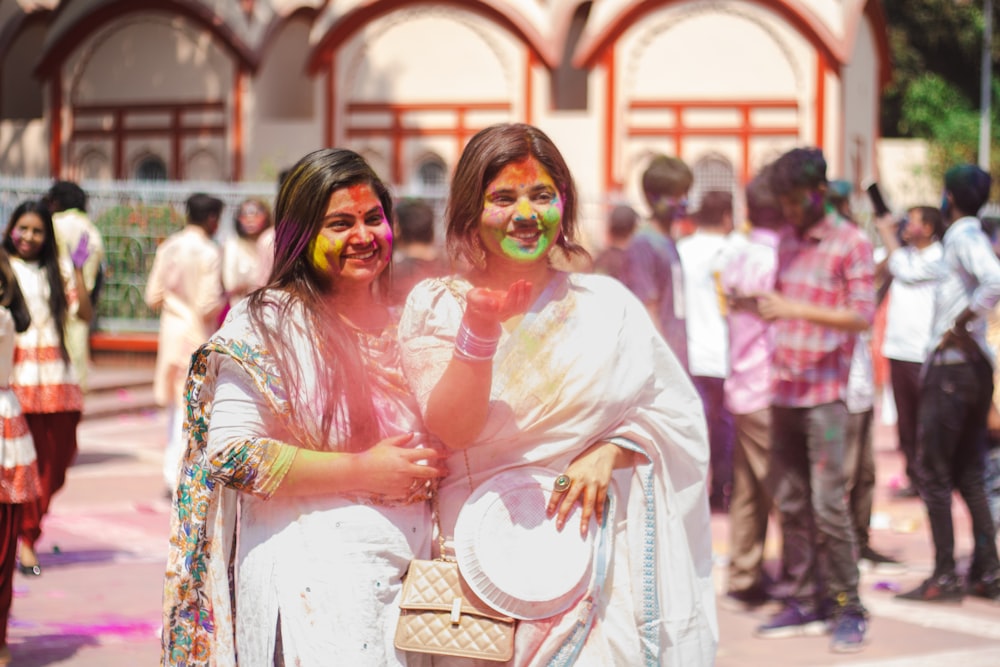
{"x": 427, "y": 327}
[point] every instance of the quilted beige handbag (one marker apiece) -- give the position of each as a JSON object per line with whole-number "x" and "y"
{"x": 439, "y": 614}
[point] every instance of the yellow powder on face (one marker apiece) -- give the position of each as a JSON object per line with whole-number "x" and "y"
{"x": 524, "y": 207}
{"x": 321, "y": 249}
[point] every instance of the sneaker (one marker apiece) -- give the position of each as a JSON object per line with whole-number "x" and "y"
{"x": 876, "y": 558}
{"x": 987, "y": 587}
{"x": 849, "y": 630}
{"x": 745, "y": 600}
{"x": 792, "y": 621}
{"x": 906, "y": 492}
{"x": 871, "y": 559}
{"x": 942, "y": 588}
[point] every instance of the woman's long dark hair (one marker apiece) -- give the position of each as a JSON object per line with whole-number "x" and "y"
{"x": 10, "y": 295}
{"x": 48, "y": 259}
{"x": 342, "y": 385}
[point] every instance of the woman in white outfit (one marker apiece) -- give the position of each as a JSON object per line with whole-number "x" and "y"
{"x": 298, "y": 417}
{"x": 517, "y": 364}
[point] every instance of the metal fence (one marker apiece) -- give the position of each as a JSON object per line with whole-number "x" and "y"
{"x": 133, "y": 217}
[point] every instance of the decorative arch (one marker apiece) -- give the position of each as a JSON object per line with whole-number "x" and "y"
{"x": 150, "y": 167}
{"x": 66, "y": 37}
{"x": 93, "y": 164}
{"x": 430, "y": 175}
{"x": 594, "y": 46}
{"x": 402, "y": 111}
{"x": 712, "y": 171}
{"x": 364, "y": 14}
{"x": 217, "y": 113}
{"x": 653, "y": 29}
{"x": 203, "y": 164}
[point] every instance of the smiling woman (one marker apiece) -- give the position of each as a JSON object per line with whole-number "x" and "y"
{"x": 354, "y": 244}
{"x": 519, "y": 366}
{"x": 42, "y": 376}
{"x": 522, "y": 211}
{"x": 298, "y": 404}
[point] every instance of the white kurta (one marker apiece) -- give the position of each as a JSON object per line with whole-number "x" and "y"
{"x": 185, "y": 283}
{"x": 587, "y": 364}
{"x": 327, "y": 568}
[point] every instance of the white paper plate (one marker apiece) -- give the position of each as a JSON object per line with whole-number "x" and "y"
{"x": 511, "y": 553}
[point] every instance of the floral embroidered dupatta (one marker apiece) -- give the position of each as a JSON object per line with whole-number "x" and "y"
{"x": 198, "y": 594}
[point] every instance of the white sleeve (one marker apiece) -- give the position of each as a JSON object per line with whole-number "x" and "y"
{"x": 238, "y": 409}
{"x": 427, "y": 331}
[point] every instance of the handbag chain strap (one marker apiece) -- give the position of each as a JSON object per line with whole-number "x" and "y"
{"x": 436, "y": 506}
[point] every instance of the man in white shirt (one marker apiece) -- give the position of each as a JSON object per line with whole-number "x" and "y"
{"x": 185, "y": 284}
{"x": 703, "y": 255}
{"x": 915, "y": 269}
{"x": 955, "y": 394}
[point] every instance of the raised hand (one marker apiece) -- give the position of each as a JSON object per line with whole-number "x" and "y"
{"x": 81, "y": 252}
{"x": 486, "y": 308}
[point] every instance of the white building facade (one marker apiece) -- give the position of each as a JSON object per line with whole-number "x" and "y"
{"x": 236, "y": 90}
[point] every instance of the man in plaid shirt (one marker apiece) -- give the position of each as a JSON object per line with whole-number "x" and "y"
{"x": 825, "y": 296}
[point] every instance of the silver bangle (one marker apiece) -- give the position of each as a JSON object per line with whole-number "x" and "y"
{"x": 472, "y": 347}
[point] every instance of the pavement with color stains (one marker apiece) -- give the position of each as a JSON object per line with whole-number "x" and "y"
{"x": 97, "y": 603}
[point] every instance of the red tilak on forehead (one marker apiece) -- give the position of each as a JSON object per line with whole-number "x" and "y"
{"x": 522, "y": 172}
{"x": 358, "y": 193}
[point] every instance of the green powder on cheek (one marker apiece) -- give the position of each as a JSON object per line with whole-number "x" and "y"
{"x": 513, "y": 249}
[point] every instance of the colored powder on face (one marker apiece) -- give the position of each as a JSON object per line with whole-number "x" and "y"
{"x": 548, "y": 225}
{"x": 553, "y": 216}
{"x": 321, "y": 249}
{"x": 524, "y": 208}
{"x": 388, "y": 236}
{"x": 514, "y": 250}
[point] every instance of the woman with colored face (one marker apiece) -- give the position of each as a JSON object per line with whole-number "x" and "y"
{"x": 242, "y": 253}
{"x": 517, "y": 364}
{"x": 42, "y": 376}
{"x": 303, "y": 422}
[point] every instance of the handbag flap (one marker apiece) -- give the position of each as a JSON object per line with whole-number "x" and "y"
{"x": 433, "y": 585}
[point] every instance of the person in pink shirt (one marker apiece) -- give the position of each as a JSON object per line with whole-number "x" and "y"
{"x": 751, "y": 271}
{"x": 825, "y": 297}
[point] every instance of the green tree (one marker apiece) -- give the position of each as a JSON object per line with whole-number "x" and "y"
{"x": 941, "y": 37}
{"x": 936, "y": 50}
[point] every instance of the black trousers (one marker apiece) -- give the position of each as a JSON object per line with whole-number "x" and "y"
{"x": 954, "y": 402}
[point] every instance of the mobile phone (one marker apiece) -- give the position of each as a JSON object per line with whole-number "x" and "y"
{"x": 878, "y": 203}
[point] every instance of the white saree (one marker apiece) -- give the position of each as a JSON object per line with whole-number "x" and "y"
{"x": 586, "y": 364}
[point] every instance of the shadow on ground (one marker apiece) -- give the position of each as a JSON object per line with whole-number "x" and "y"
{"x": 51, "y": 649}
{"x": 93, "y": 458}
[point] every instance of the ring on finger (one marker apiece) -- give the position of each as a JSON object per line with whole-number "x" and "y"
{"x": 562, "y": 484}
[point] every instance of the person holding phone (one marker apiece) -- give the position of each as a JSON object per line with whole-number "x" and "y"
{"x": 915, "y": 268}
